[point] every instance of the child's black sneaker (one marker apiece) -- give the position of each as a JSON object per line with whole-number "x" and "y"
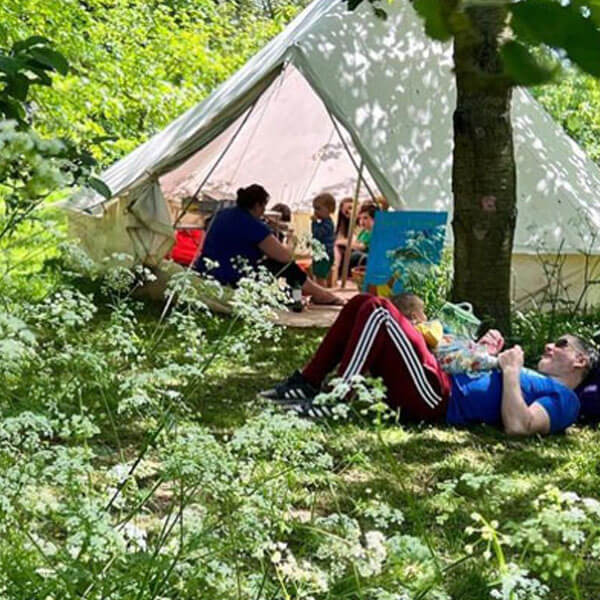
{"x": 293, "y": 390}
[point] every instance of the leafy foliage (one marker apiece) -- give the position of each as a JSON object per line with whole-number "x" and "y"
{"x": 574, "y": 102}
{"x": 28, "y": 62}
{"x": 135, "y": 448}
{"x": 137, "y": 462}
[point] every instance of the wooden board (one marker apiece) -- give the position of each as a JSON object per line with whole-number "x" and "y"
{"x": 316, "y": 315}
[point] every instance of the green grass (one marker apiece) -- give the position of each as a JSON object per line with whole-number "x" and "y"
{"x": 250, "y": 474}
{"x": 418, "y": 458}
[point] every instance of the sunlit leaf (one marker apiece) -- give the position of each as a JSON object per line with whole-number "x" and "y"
{"x": 99, "y": 186}
{"x": 34, "y": 40}
{"x": 436, "y": 24}
{"x": 523, "y": 67}
{"x": 548, "y": 22}
{"x": 18, "y": 87}
{"x": 12, "y": 110}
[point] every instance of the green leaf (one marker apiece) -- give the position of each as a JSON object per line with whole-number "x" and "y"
{"x": 51, "y": 58}
{"x": 380, "y": 13}
{"x": 436, "y": 23}
{"x": 41, "y": 78}
{"x": 547, "y": 22}
{"x": 9, "y": 65}
{"x": 100, "y": 139}
{"x": 524, "y": 67}
{"x": 352, "y": 4}
{"x": 17, "y": 87}
{"x": 99, "y": 186}
{"x": 12, "y": 110}
{"x": 34, "y": 40}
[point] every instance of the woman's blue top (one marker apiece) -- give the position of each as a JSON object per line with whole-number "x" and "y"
{"x": 233, "y": 234}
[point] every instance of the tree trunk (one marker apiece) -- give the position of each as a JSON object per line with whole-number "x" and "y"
{"x": 483, "y": 175}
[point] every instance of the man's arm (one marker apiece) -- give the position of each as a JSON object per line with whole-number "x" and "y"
{"x": 517, "y": 417}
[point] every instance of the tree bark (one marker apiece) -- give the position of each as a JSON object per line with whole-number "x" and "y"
{"x": 483, "y": 174}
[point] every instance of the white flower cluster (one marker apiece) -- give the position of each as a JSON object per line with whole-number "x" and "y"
{"x": 381, "y": 513}
{"x": 256, "y": 298}
{"x": 515, "y": 584}
{"x": 305, "y": 577}
{"x": 65, "y": 310}
{"x": 318, "y": 250}
{"x": 366, "y": 394}
{"x": 17, "y": 344}
{"x": 346, "y": 547}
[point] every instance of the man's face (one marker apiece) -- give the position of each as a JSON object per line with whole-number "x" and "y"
{"x": 562, "y": 357}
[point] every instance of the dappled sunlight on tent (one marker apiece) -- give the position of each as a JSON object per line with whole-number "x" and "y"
{"x": 289, "y": 144}
{"x": 337, "y": 88}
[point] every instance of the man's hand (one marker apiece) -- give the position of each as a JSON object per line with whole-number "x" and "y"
{"x": 493, "y": 341}
{"x": 511, "y": 359}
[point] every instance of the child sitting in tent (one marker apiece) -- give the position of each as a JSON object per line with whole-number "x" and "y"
{"x": 322, "y": 231}
{"x": 360, "y": 248}
{"x": 283, "y": 230}
{"x": 366, "y": 220}
{"x": 360, "y": 243}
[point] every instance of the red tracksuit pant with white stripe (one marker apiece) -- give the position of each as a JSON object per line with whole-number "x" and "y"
{"x": 372, "y": 336}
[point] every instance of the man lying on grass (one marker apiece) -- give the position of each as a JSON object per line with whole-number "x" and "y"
{"x": 372, "y": 335}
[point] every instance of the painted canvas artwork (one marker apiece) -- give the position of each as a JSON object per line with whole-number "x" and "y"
{"x": 403, "y": 243}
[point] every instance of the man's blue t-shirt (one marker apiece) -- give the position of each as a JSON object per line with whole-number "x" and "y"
{"x": 479, "y": 399}
{"x": 233, "y": 233}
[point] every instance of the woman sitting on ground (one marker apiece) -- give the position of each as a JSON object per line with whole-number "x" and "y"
{"x": 238, "y": 233}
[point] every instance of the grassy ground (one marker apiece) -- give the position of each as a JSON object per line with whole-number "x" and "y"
{"x": 237, "y": 499}
{"x": 408, "y": 467}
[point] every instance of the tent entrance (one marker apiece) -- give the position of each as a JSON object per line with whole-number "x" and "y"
{"x": 287, "y": 141}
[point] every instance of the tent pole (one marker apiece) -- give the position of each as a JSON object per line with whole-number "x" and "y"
{"x": 215, "y": 165}
{"x": 356, "y": 166}
{"x": 348, "y": 251}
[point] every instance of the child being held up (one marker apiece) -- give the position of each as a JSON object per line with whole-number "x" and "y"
{"x": 455, "y": 354}
{"x": 283, "y": 232}
{"x": 323, "y": 231}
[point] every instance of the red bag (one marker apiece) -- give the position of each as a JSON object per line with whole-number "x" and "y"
{"x": 188, "y": 245}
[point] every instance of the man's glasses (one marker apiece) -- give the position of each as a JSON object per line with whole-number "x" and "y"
{"x": 563, "y": 343}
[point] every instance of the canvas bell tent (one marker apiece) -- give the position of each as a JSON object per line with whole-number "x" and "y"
{"x": 335, "y": 90}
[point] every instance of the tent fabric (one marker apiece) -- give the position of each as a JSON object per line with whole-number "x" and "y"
{"x": 393, "y": 91}
{"x": 293, "y": 158}
{"x": 149, "y": 224}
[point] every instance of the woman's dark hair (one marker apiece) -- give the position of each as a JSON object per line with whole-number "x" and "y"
{"x": 343, "y": 222}
{"x": 248, "y": 198}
